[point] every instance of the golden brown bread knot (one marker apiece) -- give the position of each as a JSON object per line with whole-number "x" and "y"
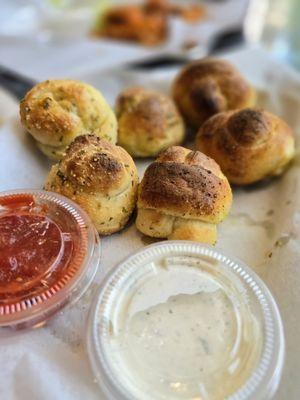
{"x": 148, "y": 122}
{"x": 208, "y": 86}
{"x": 249, "y": 144}
{"x": 101, "y": 178}
{"x": 54, "y": 112}
{"x": 183, "y": 195}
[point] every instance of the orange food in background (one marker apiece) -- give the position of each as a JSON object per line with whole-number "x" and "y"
{"x": 192, "y": 13}
{"x": 133, "y": 23}
{"x": 146, "y": 23}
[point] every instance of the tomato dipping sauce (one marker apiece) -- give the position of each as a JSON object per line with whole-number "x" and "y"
{"x": 48, "y": 250}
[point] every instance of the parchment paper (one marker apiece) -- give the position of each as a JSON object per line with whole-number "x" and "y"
{"x": 263, "y": 230}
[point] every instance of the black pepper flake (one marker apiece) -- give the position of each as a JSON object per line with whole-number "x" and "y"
{"x": 61, "y": 176}
{"x": 46, "y": 103}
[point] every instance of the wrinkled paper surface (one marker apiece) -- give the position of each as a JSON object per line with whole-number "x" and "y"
{"x": 262, "y": 230}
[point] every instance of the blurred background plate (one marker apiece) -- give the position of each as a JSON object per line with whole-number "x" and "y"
{"x": 52, "y": 38}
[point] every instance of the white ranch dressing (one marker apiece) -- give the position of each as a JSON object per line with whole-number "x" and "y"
{"x": 183, "y": 331}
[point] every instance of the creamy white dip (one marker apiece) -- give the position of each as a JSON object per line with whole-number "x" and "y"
{"x": 183, "y": 331}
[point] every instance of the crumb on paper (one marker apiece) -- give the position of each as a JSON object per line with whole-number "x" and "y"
{"x": 189, "y": 44}
{"x": 283, "y": 240}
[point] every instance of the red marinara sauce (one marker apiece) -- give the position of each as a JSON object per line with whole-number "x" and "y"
{"x": 45, "y": 242}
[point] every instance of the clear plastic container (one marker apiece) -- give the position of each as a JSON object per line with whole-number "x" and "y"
{"x": 49, "y": 254}
{"x": 182, "y": 320}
